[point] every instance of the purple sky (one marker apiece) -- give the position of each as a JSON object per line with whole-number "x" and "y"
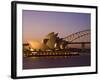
{"x": 37, "y": 24}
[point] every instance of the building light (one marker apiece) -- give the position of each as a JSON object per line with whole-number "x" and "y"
{"x": 31, "y": 49}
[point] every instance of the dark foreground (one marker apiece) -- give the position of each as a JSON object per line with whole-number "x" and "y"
{"x": 84, "y": 59}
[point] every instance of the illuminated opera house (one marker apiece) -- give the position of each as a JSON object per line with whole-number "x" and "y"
{"x": 51, "y": 41}
{"x": 50, "y": 45}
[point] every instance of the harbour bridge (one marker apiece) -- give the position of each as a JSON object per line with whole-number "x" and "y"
{"x": 63, "y": 43}
{"x": 72, "y": 37}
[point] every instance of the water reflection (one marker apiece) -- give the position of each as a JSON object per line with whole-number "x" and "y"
{"x": 56, "y": 61}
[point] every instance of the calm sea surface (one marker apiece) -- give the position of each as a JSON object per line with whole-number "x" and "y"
{"x": 84, "y": 59}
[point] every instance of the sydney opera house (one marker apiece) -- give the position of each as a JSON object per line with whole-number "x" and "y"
{"x": 50, "y": 45}
{"x": 51, "y": 41}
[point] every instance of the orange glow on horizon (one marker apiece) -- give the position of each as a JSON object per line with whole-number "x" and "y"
{"x": 35, "y": 44}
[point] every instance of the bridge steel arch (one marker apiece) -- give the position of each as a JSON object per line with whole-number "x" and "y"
{"x": 74, "y": 36}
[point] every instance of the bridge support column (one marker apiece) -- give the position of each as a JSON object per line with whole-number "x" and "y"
{"x": 83, "y": 46}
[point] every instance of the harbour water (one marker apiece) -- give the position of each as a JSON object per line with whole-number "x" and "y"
{"x": 84, "y": 59}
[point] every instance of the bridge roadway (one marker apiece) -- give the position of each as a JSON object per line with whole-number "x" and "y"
{"x": 79, "y": 42}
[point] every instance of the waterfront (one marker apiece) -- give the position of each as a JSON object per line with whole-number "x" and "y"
{"x": 84, "y": 59}
{"x": 50, "y": 38}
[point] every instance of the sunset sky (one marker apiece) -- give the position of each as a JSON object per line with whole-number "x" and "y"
{"x": 37, "y": 24}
